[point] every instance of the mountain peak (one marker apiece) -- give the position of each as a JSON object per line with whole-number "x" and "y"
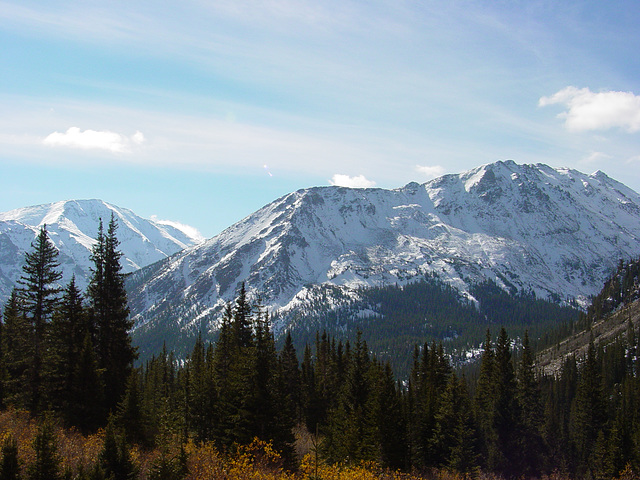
{"x": 73, "y": 226}
{"x": 555, "y": 232}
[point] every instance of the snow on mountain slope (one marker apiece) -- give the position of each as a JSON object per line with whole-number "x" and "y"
{"x": 72, "y": 227}
{"x": 556, "y": 232}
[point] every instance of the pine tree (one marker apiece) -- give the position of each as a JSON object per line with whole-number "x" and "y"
{"x": 68, "y": 329}
{"x": 86, "y": 407}
{"x": 485, "y": 405}
{"x": 351, "y": 432}
{"x": 17, "y": 353}
{"x": 290, "y": 382}
{"x": 242, "y": 319}
{"x": 201, "y": 398}
{"x": 531, "y": 443}
{"x": 108, "y": 300}
{"x": 46, "y": 465}
{"x": 131, "y": 415}
{"x": 39, "y": 296}
{"x": 453, "y": 441}
{"x": 588, "y": 409}
{"x": 9, "y": 463}
{"x": 387, "y": 413}
{"x": 507, "y": 415}
{"x": 114, "y": 458}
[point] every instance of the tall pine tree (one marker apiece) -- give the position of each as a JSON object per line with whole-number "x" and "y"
{"x": 108, "y": 301}
{"x": 39, "y": 295}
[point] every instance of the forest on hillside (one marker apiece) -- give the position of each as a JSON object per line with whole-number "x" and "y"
{"x": 74, "y": 406}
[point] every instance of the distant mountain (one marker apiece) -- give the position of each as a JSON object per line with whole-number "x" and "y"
{"x": 553, "y": 232}
{"x": 73, "y": 226}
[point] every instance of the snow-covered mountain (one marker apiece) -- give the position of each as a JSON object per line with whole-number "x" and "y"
{"x": 554, "y": 231}
{"x": 73, "y": 226}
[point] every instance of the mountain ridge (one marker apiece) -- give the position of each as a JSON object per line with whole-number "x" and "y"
{"x": 554, "y": 231}
{"x": 72, "y": 226}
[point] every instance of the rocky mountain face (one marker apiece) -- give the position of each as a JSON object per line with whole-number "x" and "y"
{"x": 72, "y": 227}
{"x": 552, "y": 231}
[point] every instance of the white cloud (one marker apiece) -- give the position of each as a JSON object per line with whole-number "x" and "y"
{"x": 589, "y": 110}
{"x": 352, "y": 182}
{"x": 187, "y": 229}
{"x": 430, "y": 171}
{"x": 94, "y": 140}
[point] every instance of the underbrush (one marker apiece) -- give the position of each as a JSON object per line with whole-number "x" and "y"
{"x": 77, "y": 456}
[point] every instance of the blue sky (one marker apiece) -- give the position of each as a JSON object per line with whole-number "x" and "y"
{"x": 203, "y": 111}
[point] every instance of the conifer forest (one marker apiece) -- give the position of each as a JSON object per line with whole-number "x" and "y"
{"x": 76, "y": 405}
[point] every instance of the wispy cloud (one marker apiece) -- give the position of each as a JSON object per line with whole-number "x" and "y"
{"x": 359, "y": 181}
{"x": 430, "y": 171}
{"x": 94, "y": 140}
{"x": 587, "y": 110}
{"x": 187, "y": 229}
{"x": 595, "y": 157}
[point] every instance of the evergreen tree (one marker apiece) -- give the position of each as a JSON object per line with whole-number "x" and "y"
{"x": 39, "y": 296}
{"x": 351, "y": 432}
{"x": 453, "y": 441}
{"x": 86, "y": 406}
{"x": 485, "y": 405}
{"x": 242, "y": 319}
{"x": 507, "y": 416}
{"x": 17, "y": 353}
{"x": 587, "y": 410}
{"x": 114, "y": 458}
{"x": 531, "y": 444}
{"x": 108, "y": 300}
{"x": 9, "y": 463}
{"x": 201, "y": 400}
{"x": 46, "y": 465}
{"x": 224, "y": 355}
{"x": 290, "y": 382}
{"x": 68, "y": 329}
{"x": 131, "y": 415}
{"x": 388, "y": 415}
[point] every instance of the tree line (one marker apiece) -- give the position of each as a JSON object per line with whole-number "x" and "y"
{"x": 63, "y": 351}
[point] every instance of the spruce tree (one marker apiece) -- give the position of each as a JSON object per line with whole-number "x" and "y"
{"x": 108, "y": 300}
{"x": 453, "y": 441}
{"x": 531, "y": 444}
{"x": 17, "y": 353}
{"x": 9, "y": 463}
{"x": 507, "y": 415}
{"x": 588, "y": 409}
{"x": 46, "y": 465}
{"x": 485, "y": 405}
{"x": 115, "y": 459}
{"x": 39, "y": 295}
{"x": 65, "y": 340}
{"x": 351, "y": 433}
{"x": 86, "y": 406}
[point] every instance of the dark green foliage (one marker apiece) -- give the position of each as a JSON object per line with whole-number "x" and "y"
{"x": 46, "y": 465}
{"x": 454, "y": 438}
{"x": 528, "y": 395}
{"x": 17, "y": 353}
{"x": 38, "y": 294}
{"x": 428, "y": 311}
{"x": 168, "y": 467}
{"x": 350, "y": 435}
{"x": 115, "y": 459}
{"x": 131, "y": 415}
{"x": 86, "y": 404}
{"x": 9, "y": 464}
{"x": 65, "y": 342}
{"x": 110, "y": 315}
